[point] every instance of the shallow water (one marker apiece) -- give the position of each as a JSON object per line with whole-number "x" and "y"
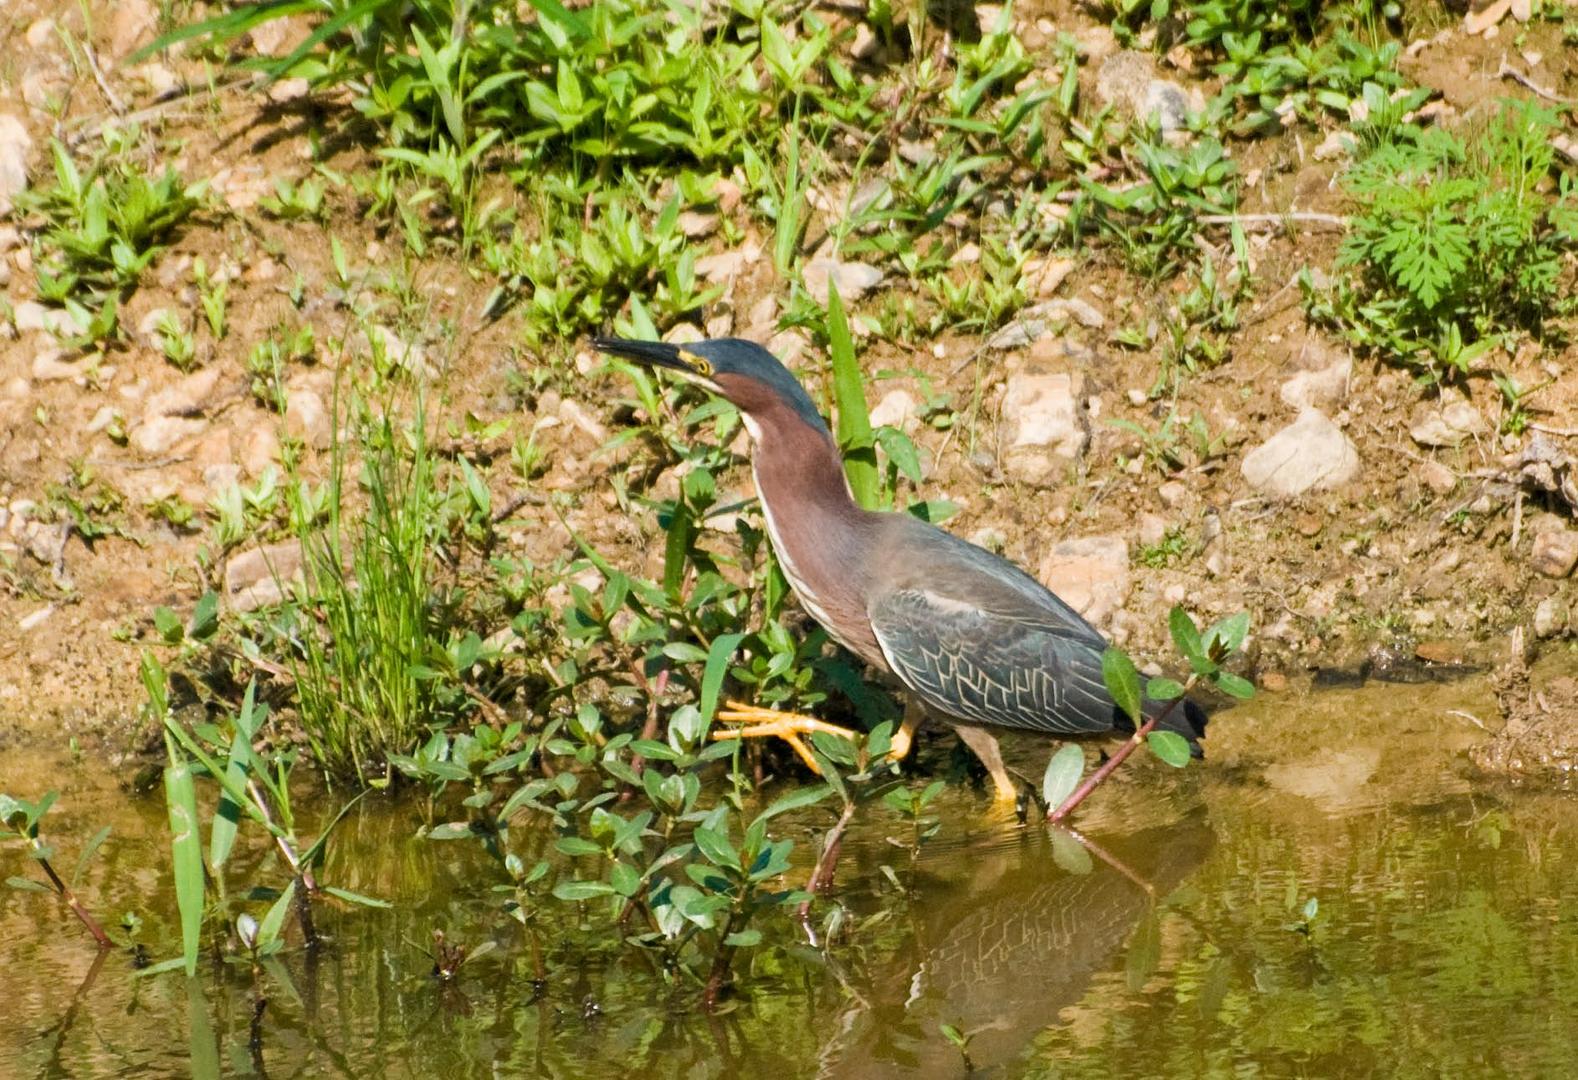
{"x": 1445, "y": 940}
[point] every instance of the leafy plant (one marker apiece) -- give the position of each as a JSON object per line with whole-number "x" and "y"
{"x": 1458, "y": 242}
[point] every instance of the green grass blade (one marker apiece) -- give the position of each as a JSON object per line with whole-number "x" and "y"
{"x": 849, "y": 400}
{"x": 186, "y": 849}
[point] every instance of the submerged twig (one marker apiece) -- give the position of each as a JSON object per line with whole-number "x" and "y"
{"x": 822, "y": 874}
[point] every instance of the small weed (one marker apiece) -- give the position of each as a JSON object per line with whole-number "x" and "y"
{"x": 1458, "y": 244}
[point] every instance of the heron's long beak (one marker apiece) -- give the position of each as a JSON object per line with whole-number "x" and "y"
{"x": 650, "y": 353}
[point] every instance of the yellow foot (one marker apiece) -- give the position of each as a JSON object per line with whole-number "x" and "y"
{"x": 757, "y": 722}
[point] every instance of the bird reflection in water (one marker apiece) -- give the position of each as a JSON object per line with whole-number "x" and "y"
{"x": 999, "y": 952}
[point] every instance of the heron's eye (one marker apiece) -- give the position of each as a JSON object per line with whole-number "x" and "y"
{"x": 698, "y": 364}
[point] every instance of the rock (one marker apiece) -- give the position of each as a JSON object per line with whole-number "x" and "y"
{"x": 262, "y": 449}
{"x": 30, "y": 317}
{"x": 1339, "y": 143}
{"x": 1309, "y": 454}
{"x": 1437, "y": 477}
{"x": 696, "y": 225}
{"x": 36, "y": 619}
{"x": 1321, "y": 374}
{"x": 865, "y": 44}
{"x": 1550, "y": 617}
{"x": 283, "y": 91}
{"x": 131, "y": 22}
{"x": 897, "y": 409}
{"x": 724, "y": 266}
{"x": 410, "y": 355}
{"x": 684, "y": 333}
{"x": 186, "y": 397}
{"x": 967, "y": 254}
{"x": 1555, "y": 552}
{"x": 258, "y": 578}
{"x": 16, "y": 150}
{"x": 1448, "y": 425}
{"x": 575, "y": 414}
{"x": 1127, "y": 80}
{"x": 853, "y": 280}
{"x": 49, "y": 366}
{"x": 1153, "y": 529}
{"x": 1273, "y": 681}
{"x": 1173, "y": 493}
{"x": 1090, "y": 574}
{"x": 1042, "y": 425}
{"x": 306, "y": 417}
{"x": 158, "y": 435}
{"x": 1046, "y": 276}
{"x": 1038, "y": 320}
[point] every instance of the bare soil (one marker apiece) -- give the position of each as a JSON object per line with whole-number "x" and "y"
{"x": 1425, "y": 557}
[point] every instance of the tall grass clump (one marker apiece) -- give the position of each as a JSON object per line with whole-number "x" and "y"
{"x": 369, "y": 630}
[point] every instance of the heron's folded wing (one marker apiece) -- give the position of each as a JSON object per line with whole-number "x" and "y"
{"x": 986, "y": 668}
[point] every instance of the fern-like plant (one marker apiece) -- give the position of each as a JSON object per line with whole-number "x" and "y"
{"x": 1458, "y": 241}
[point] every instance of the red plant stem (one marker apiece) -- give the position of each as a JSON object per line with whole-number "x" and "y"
{"x": 1095, "y": 779}
{"x": 76, "y": 907}
{"x": 822, "y": 876}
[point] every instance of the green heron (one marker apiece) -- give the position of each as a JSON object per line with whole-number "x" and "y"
{"x": 975, "y": 640}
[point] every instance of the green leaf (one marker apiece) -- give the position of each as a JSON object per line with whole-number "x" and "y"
{"x": 87, "y": 854}
{"x": 1070, "y": 854}
{"x": 27, "y": 885}
{"x": 1227, "y": 635}
{"x": 1123, "y": 682}
{"x": 576, "y": 846}
{"x": 1063, "y": 774}
{"x": 716, "y": 847}
{"x": 849, "y": 399}
{"x": 1170, "y": 746}
{"x": 274, "y": 920}
{"x": 356, "y": 898}
{"x": 718, "y": 657}
{"x": 795, "y": 800}
{"x": 186, "y": 849}
{"x": 582, "y": 890}
{"x": 744, "y": 939}
{"x": 205, "y": 617}
{"x": 1234, "y": 686}
{"x": 1185, "y": 635}
{"x": 168, "y": 624}
{"x": 1163, "y": 689}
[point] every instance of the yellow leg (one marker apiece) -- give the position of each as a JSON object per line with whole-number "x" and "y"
{"x": 984, "y": 745}
{"x": 760, "y": 723}
{"x": 904, "y": 737}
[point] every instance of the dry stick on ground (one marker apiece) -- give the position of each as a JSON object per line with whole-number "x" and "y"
{"x": 1095, "y": 779}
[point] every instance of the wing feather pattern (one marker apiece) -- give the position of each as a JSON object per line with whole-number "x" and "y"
{"x": 981, "y": 667}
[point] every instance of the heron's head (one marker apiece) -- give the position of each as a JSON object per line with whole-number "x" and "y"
{"x": 743, "y": 372}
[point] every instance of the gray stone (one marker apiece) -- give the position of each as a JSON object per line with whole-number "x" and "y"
{"x": 260, "y": 577}
{"x": 897, "y": 409}
{"x": 1320, "y": 377}
{"x": 30, "y": 317}
{"x": 1038, "y": 320}
{"x": 186, "y": 397}
{"x": 1090, "y": 574}
{"x": 262, "y": 449}
{"x": 1127, "y": 80}
{"x": 160, "y": 434}
{"x": 1043, "y": 430}
{"x": 1437, "y": 477}
{"x": 49, "y": 365}
{"x": 853, "y": 280}
{"x": 1555, "y": 552}
{"x": 1550, "y": 617}
{"x": 307, "y": 418}
{"x": 16, "y": 150}
{"x": 1448, "y": 425}
{"x": 1310, "y": 454}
